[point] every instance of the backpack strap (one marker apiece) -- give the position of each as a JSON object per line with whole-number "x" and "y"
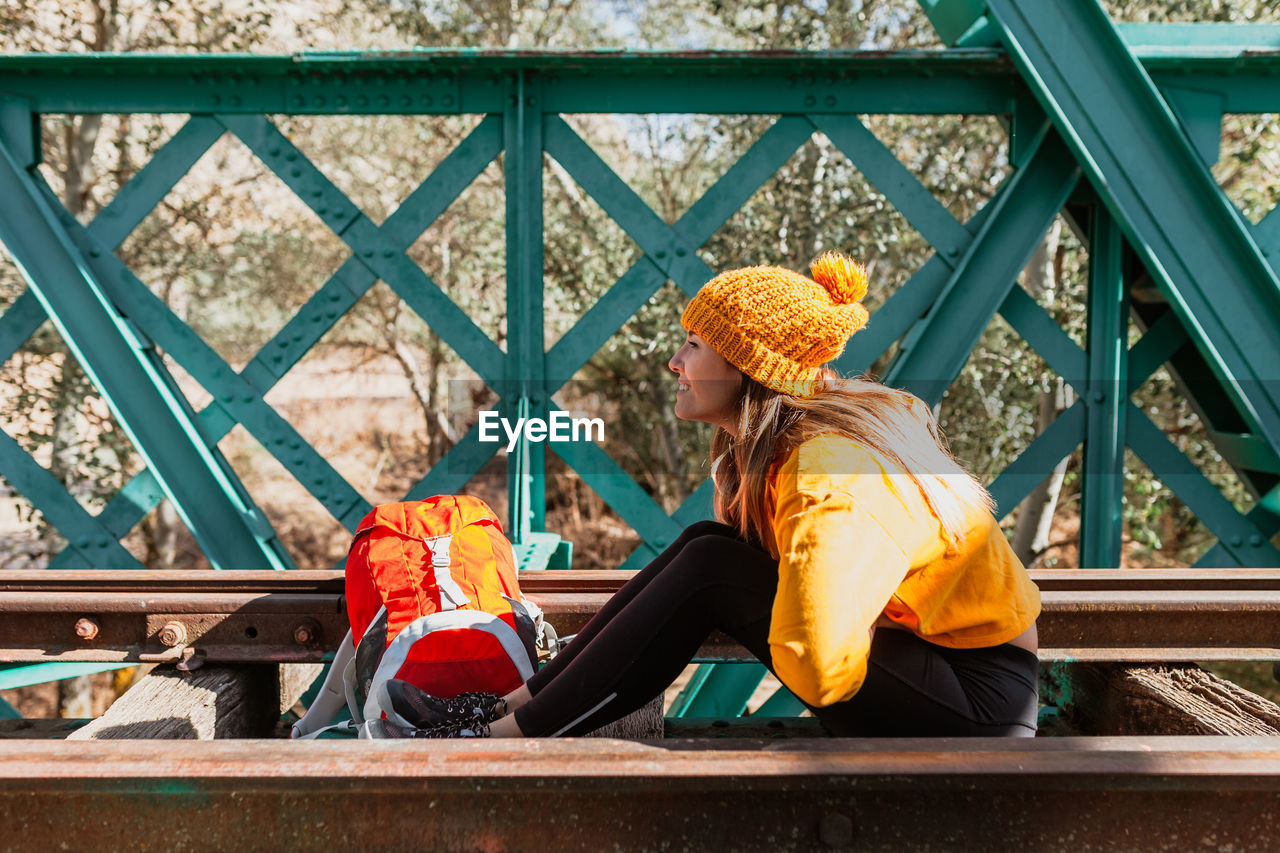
{"x": 332, "y": 695}
{"x": 451, "y": 595}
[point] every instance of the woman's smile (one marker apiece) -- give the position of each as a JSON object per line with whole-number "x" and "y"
{"x": 707, "y": 386}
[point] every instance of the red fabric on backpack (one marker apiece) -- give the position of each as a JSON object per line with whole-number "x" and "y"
{"x": 390, "y": 564}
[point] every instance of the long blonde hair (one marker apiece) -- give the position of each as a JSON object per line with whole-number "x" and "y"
{"x": 890, "y": 422}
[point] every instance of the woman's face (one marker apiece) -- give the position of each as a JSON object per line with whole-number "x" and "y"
{"x": 709, "y": 386}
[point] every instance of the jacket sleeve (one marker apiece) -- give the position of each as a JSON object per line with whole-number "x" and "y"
{"x": 837, "y": 569}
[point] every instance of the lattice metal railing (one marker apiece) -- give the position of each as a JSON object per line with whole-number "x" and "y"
{"x": 115, "y": 324}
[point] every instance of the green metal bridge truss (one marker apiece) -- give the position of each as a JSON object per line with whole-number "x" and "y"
{"x": 1116, "y": 125}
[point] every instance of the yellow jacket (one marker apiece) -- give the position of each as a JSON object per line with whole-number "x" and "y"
{"x": 855, "y": 539}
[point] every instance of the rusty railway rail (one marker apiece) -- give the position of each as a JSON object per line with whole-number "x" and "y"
{"x": 582, "y": 794}
{"x": 257, "y": 616}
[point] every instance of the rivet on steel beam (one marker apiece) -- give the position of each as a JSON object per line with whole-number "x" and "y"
{"x": 235, "y": 100}
{"x": 447, "y": 100}
{"x": 86, "y": 629}
{"x": 1236, "y": 541}
{"x": 173, "y": 634}
{"x": 362, "y": 101}
{"x": 680, "y": 253}
{"x": 810, "y": 101}
{"x": 306, "y": 632}
{"x": 660, "y": 254}
{"x": 298, "y": 100}
{"x": 829, "y": 100}
{"x": 835, "y": 830}
{"x": 1255, "y": 540}
{"x": 1099, "y": 396}
{"x": 297, "y": 173}
{"x": 425, "y": 100}
{"x": 406, "y": 100}
{"x": 383, "y": 101}
{"x": 531, "y": 101}
{"x": 215, "y": 100}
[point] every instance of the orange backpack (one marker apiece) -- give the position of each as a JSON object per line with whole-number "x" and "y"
{"x": 432, "y": 594}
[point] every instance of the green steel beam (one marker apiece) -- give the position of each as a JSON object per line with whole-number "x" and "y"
{"x": 20, "y": 128}
{"x": 952, "y": 19}
{"x": 146, "y": 189}
{"x": 673, "y": 247}
{"x": 885, "y": 172}
{"x": 444, "y": 82}
{"x": 1201, "y": 38}
{"x": 938, "y": 346}
{"x": 1189, "y": 236}
{"x": 697, "y": 507}
{"x": 906, "y": 306}
{"x": 718, "y": 690}
{"x": 525, "y": 375}
{"x": 20, "y": 321}
{"x": 447, "y": 82}
{"x": 1267, "y": 235}
{"x": 783, "y": 703}
{"x": 1102, "y": 493}
{"x": 351, "y": 281}
{"x": 1247, "y": 543}
{"x": 237, "y": 400}
{"x": 1058, "y": 441}
{"x": 132, "y": 380}
{"x": 616, "y": 487}
{"x": 371, "y": 244}
{"x": 89, "y": 543}
{"x": 14, "y": 675}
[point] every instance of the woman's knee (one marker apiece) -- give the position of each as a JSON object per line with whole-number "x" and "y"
{"x": 715, "y": 557}
{"x": 705, "y": 527}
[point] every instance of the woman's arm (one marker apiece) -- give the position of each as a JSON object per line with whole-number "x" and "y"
{"x": 837, "y": 569}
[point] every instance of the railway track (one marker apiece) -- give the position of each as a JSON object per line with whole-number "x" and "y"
{"x": 293, "y": 617}
{"x": 1068, "y": 793}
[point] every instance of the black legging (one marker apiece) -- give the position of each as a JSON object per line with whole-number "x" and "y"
{"x": 710, "y": 579}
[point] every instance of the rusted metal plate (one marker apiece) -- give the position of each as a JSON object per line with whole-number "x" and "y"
{"x": 249, "y": 617}
{"x": 584, "y": 794}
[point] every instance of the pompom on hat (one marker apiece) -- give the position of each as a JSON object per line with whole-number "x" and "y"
{"x": 777, "y": 326}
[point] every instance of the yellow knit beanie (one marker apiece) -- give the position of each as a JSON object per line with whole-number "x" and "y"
{"x": 777, "y": 326}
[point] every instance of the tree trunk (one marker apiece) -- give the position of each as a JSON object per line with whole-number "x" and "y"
{"x": 1035, "y": 513}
